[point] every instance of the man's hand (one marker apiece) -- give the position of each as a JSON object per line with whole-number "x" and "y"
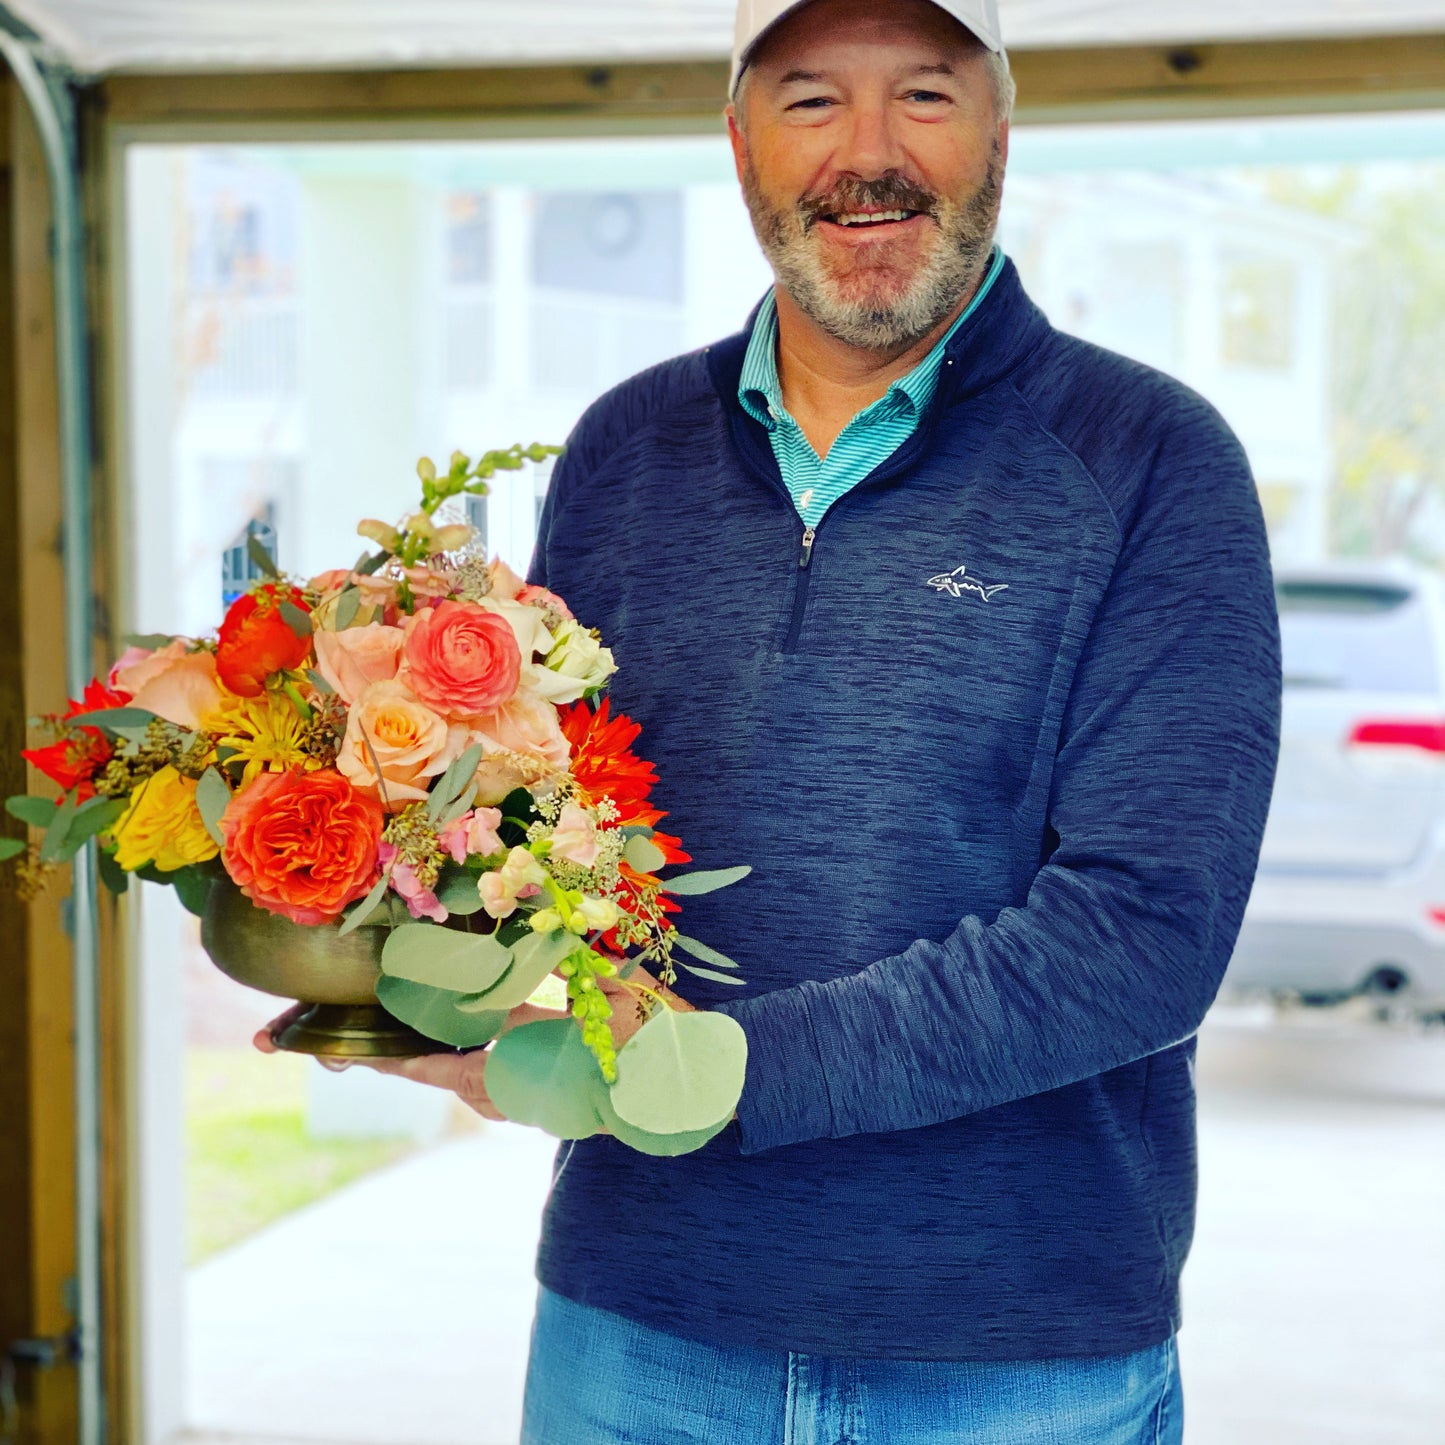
{"x": 464, "y": 1074}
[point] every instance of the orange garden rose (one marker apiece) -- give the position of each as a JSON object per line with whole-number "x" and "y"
{"x": 256, "y": 640}
{"x": 303, "y": 845}
{"x": 460, "y": 658}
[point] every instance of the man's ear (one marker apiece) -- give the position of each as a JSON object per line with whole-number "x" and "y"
{"x": 738, "y": 143}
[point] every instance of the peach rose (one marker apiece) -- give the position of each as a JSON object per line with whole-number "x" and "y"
{"x": 522, "y": 743}
{"x": 550, "y": 603}
{"x": 172, "y": 682}
{"x": 352, "y": 660}
{"x": 389, "y": 729}
{"x": 303, "y": 845}
{"x": 460, "y": 658}
{"x": 505, "y": 584}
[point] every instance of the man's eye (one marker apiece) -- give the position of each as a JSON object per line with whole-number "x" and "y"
{"x": 813, "y": 102}
{"x": 928, "y": 96}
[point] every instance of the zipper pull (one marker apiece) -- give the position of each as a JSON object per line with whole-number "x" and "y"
{"x": 810, "y": 536}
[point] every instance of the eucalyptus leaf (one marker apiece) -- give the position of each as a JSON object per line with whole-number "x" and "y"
{"x": 445, "y": 958}
{"x": 636, "y": 830}
{"x": 262, "y": 558}
{"x": 53, "y": 846}
{"x": 113, "y": 718}
{"x": 362, "y": 913}
{"x": 458, "y": 894}
{"x": 458, "y": 808}
{"x": 710, "y": 973}
{"x": 347, "y": 606}
{"x": 112, "y": 874}
{"x": 320, "y": 683}
{"x": 434, "y": 1012}
{"x": 664, "y": 1146}
{"x": 691, "y": 885}
{"x": 193, "y": 887}
{"x": 369, "y": 566}
{"x": 213, "y": 797}
{"x": 38, "y": 812}
{"x": 298, "y": 619}
{"x": 95, "y": 815}
{"x": 535, "y": 956}
{"x": 643, "y": 854}
{"x": 453, "y": 782}
{"x": 702, "y": 952}
{"x": 12, "y": 848}
{"x": 681, "y": 1072}
{"x": 542, "y": 1074}
{"x": 150, "y": 641}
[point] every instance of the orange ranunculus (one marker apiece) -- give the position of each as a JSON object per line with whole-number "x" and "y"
{"x": 460, "y": 659}
{"x": 303, "y": 845}
{"x": 256, "y": 640}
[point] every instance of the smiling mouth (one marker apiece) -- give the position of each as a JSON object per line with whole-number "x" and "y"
{"x": 866, "y": 219}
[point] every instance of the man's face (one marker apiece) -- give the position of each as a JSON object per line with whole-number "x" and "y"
{"x": 871, "y": 156}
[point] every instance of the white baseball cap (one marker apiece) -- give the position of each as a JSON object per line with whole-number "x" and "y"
{"x": 757, "y": 17}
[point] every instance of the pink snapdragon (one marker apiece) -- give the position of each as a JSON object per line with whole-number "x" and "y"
{"x": 574, "y": 839}
{"x": 521, "y": 876}
{"x": 421, "y": 902}
{"x": 473, "y": 834}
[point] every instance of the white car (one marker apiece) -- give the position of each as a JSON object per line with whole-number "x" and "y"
{"x": 1350, "y": 897}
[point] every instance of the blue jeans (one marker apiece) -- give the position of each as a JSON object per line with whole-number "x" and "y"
{"x": 598, "y": 1379}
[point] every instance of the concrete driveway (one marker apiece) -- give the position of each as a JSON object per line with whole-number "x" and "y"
{"x": 1314, "y": 1301}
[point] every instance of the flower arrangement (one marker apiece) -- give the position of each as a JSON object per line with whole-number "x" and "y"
{"x": 419, "y": 744}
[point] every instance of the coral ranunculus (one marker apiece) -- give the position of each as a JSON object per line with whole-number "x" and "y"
{"x": 256, "y": 640}
{"x": 303, "y": 845}
{"x": 460, "y": 659}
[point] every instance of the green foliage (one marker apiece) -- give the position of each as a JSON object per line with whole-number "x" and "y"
{"x": 450, "y": 786}
{"x": 435, "y": 1013}
{"x": 262, "y": 559}
{"x": 692, "y": 885}
{"x": 542, "y": 1074}
{"x": 114, "y": 719}
{"x": 115, "y": 878}
{"x": 702, "y": 952}
{"x": 644, "y": 855}
{"x": 458, "y": 893}
{"x": 12, "y": 848}
{"x": 362, "y": 912}
{"x": 665, "y": 1146}
{"x": 213, "y": 797}
{"x": 37, "y": 812}
{"x": 193, "y": 885}
{"x": 681, "y": 1073}
{"x": 445, "y": 958}
{"x": 298, "y": 619}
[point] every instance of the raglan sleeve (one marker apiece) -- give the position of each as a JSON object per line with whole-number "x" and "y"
{"x": 1162, "y": 781}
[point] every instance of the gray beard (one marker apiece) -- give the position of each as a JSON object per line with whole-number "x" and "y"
{"x": 952, "y": 271}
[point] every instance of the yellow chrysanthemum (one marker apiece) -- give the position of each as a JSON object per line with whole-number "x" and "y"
{"x": 163, "y": 825}
{"x": 266, "y": 733}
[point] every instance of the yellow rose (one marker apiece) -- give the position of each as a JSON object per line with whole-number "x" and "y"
{"x": 163, "y": 826}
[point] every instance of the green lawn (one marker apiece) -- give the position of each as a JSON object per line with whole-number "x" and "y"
{"x": 249, "y": 1160}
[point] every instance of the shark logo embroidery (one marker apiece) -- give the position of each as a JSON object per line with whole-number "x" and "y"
{"x": 957, "y": 582}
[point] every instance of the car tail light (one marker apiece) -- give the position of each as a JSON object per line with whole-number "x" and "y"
{"x": 1404, "y": 733}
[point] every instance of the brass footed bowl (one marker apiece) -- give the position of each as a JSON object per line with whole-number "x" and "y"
{"x": 336, "y": 976}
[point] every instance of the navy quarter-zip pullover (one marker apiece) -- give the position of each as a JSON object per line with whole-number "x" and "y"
{"x": 999, "y": 746}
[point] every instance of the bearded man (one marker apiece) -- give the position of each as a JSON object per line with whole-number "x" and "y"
{"x": 961, "y": 632}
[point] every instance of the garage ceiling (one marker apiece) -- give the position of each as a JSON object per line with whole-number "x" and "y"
{"x": 166, "y": 35}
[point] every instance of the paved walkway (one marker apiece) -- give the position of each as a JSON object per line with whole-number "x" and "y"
{"x": 1314, "y": 1300}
